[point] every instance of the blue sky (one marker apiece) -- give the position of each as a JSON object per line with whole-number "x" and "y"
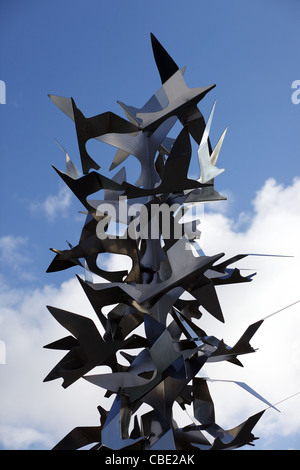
{"x": 99, "y": 52}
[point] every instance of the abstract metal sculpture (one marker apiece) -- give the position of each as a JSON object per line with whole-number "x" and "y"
{"x": 171, "y": 348}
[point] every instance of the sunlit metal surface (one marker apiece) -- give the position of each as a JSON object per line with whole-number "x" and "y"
{"x": 165, "y": 361}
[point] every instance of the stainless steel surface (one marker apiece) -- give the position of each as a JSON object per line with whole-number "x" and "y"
{"x": 151, "y": 337}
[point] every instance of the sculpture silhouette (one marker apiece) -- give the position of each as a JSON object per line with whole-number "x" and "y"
{"x": 172, "y": 348}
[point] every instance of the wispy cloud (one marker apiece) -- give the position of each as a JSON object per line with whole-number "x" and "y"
{"x": 14, "y": 256}
{"x": 54, "y": 205}
{"x": 17, "y": 438}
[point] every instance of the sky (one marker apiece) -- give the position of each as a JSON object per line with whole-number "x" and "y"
{"x": 100, "y": 52}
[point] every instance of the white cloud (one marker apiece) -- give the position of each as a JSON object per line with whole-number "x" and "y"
{"x": 55, "y": 205}
{"x": 37, "y": 413}
{"x": 274, "y": 370}
{"x": 9, "y": 245}
{"x": 17, "y": 437}
{"x": 14, "y": 256}
{"x": 28, "y": 404}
